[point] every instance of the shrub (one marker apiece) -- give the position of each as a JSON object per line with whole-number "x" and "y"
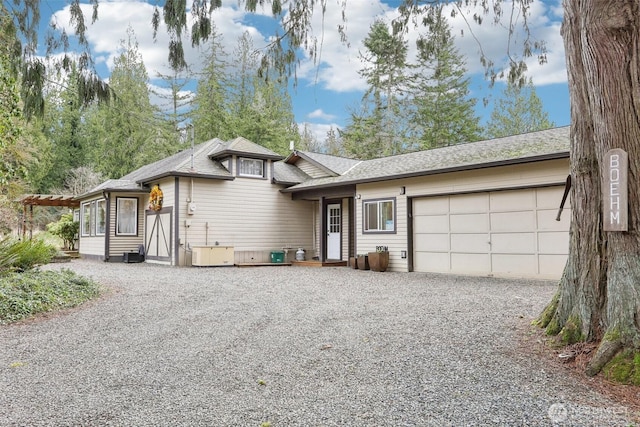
{"x": 22, "y": 255}
{"x": 66, "y": 228}
{"x": 25, "y": 294}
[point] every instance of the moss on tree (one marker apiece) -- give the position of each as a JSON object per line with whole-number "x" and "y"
{"x": 624, "y": 368}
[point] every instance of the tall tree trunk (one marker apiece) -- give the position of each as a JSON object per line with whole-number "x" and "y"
{"x": 599, "y": 294}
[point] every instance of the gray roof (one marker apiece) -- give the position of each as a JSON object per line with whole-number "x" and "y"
{"x": 547, "y": 144}
{"x": 201, "y": 164}
{"x": 242, "y": 146}
{"x": 180, "y": 164}
{"x": 334, "y": 165}
{"x": 287, "y": 174}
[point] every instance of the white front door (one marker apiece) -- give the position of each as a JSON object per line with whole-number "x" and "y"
{"x": 333, "y": 231}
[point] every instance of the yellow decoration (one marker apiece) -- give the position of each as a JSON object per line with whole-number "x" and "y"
{"x": 155, "y": 198}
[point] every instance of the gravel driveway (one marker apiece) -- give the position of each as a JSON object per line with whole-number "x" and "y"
{"x": 289, "y": 346}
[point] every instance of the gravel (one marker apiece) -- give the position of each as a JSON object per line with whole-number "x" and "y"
{"x": 289, "y": 346}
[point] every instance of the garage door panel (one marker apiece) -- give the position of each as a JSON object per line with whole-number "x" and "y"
{"x": 432, "y": 242}
{"x": 469, "y": 203}
{"x": 513, "y": 243}
{"x": 436, "y": 262}
{"x": 513, "y": 221}
{"x": 470, "y": 263}
{"x": 547, "y": 219}
{"x": 553, "y": 243}
{"x": 550, "y": 198}
{"x": 510, "y": 232}
{"x": 469, "y": 223}
{"x": 471, "y": 243}
{"x": 505, "y": 201}
{"x": 431, "y": 206}
{"x": 431, "y": 223}
{"x": 514, "y": 264}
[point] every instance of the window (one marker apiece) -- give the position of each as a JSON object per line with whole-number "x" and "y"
{"x": 251, "y": 167}
{"x": 86, "y": 219}
{"x": 379, "y": 216}
{"x": 101, "y": 217}
{"x": 93, "y": 218}
{"x": 127, "y": 216}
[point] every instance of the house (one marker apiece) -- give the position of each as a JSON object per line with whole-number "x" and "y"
{"x": 220, "y": 194}
{"x": 486, "y": 208}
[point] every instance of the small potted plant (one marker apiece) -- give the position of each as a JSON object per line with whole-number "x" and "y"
{"x": 363, "y": 262}
{"x": 379, "y": 260}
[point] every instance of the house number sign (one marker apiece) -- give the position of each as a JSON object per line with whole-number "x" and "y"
{"x": 614, "y": 191}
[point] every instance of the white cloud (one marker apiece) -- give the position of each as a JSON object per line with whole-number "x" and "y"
{"x": 337, "y": 71}
{"x": 114, "y": 17}
{"x": 320, "y": 114}
{"x": 339, "y": 64}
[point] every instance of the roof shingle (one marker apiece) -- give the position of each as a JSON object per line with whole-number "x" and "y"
{"x": 547, "y": 143}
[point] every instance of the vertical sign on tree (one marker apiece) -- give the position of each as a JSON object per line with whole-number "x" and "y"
{"x": 614, "y": 191}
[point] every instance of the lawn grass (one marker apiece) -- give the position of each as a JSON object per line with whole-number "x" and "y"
{"x": 26, "y": 294}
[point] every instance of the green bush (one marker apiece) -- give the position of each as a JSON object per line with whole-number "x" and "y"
{"x": 25, "y": 294}
{"x": 22, "y": 255}
{"x": 66, "y": 228}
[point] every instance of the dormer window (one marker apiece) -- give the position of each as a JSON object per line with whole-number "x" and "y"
{"x": 252, "y": 168}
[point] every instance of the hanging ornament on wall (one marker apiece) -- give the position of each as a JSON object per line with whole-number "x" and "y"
{"x": 155, "y": 198}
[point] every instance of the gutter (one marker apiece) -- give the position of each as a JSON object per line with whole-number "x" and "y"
{"x": 540, "y": 158}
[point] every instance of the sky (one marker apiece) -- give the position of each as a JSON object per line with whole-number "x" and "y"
{"x": 327, "y": 90}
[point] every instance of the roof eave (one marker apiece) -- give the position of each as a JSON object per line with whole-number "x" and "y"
{"x": 110, "y": 190}
{"x": 226, "y": 153}
{"x": 532, "y": 159}
{"x": 187, "y": 175}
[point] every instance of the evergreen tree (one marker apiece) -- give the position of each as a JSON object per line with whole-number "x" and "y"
{"x": 260, "y": 108}
{"x": 176, "y": 108}
{"x": 128, "y": 133}
{"x": 63, "y": 126}
{"x": 210, "y": 104}
{"x": 518, "y": 110}
{"x": 443, "y": 110}
{"x": 378, "y": 127}
{"x": 334, "y": 143}
{"x": 308, "y": 141}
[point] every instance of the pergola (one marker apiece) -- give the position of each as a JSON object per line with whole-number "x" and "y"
{"x": 31, "y": 200}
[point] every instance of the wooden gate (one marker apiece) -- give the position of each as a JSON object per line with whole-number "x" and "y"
{"x": 158, "y": 234}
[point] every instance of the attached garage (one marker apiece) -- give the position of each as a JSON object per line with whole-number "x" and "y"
{"x": 504, "y": 233}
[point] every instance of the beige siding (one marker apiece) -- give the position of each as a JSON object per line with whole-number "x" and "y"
{"x": 310, "y": 169}
{"x": 90, "y": 245}
{"x": 516, "y": 176}
{"x": 120, "y": 244}
{"x": 249, "y": 214}
{"x": 367, "y": 242}
{"x": 345, "y": 229}
{"x": 317, "y": 234}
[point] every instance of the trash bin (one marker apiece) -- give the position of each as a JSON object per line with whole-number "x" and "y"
{"x": 277, "y": 257}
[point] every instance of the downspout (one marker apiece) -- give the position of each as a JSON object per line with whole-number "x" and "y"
{"x": 107, "y": 226}
{"x": 176, "y": 240}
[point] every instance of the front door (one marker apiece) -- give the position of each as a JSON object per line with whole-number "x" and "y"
{"x": 333, "y": 231}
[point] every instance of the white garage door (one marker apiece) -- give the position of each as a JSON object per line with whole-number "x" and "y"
{"x": 510, "y": 233}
